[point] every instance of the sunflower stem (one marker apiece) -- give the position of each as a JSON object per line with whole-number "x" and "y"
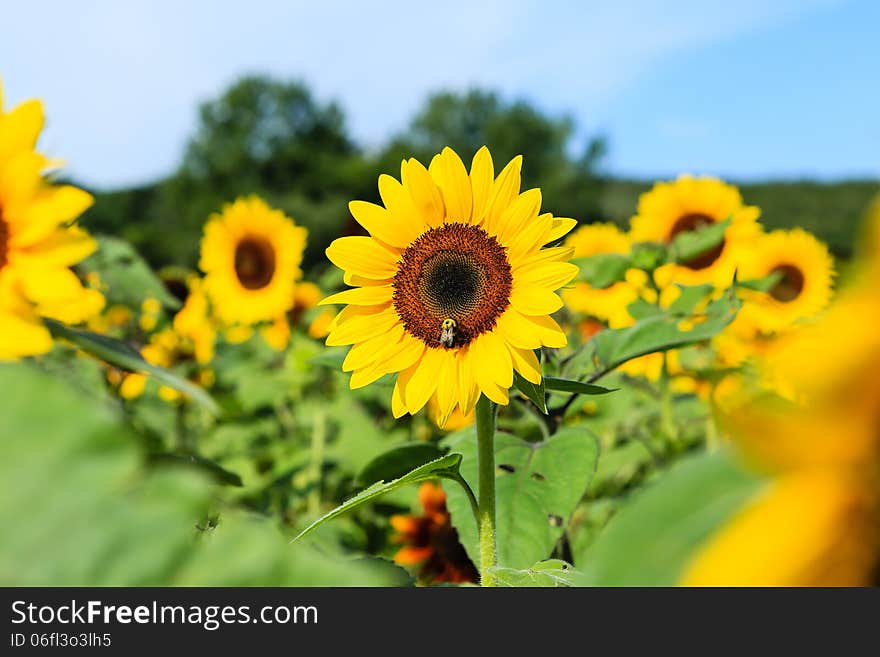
{"x": 319, "y": 431}
{"x": 485, "y": 419}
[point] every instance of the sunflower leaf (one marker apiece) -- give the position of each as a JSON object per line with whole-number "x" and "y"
{"x": 128, "y": 277}
{"x": 544, "y": 574}
{"x": 397, "y": 462}
{"x": 124, "y": 356}
{"x": 568, "y": 385}
{"x": 538, "y": 486}
{"x": 603, "y": 269}
{"x": 690, "y": 296}
{"x": 692, "y": 244}
{"x": 762, "y": 284}
{"x": 534, "y": 391}
{"x": 443, "y": 467}
{"x": 650, "y": 541}
{"x": 613, "y": 347}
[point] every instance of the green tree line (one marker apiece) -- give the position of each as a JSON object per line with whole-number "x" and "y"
{"x": 275, "y": 139}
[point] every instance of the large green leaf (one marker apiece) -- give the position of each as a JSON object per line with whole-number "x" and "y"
{"x": 651, "y": 539}
{"x": 534, "y": 392}
{"x": 538, "y": 486}
{"x": 568, "y": 385}
{"x": 544, "y": 574}
{"x": 613, "y": 347}
{"x": 397, "y": 462}
{"x": 78, "y": 509}
{"x": 603, "y": 269}
{"x": 443, "y": 467}
{"x": 122, "y": 355}
{"x": 693, "y": 243}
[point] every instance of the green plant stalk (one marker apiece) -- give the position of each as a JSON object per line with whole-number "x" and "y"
{"x": 319, "y": 431}
{"x": 485, "y": 419}
{"x": 667, "y": 419}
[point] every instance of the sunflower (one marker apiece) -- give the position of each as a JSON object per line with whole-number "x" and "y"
{"x": 610, "y": 303}
{"x": 251, "y": 257}
{"x": 193, "y": 322}
{"x": 805, "y": 270}
{"x": 431, "y": 542}
{"x": 818, "y": 521}
{"x": 688, "y": 204}
{"x": 38, "y": 243}
{"x": 453, "y": 290}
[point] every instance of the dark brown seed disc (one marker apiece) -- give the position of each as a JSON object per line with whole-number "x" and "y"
{"x": 691, "y": 222}
{"x": 790, "y": 285}
{"x": 254, "y": 262}
{"x": 4, "y": 241}
{"x": 455, "y": 271}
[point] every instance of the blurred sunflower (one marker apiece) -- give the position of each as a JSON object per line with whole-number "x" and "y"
{"x": 251, "y": 257}
{"x": 805, "y": 269}
{"x": 688, "y": 204}
{"x": 453, "y": 290}
{"x": 194, "y": 324}
{"x": 818, "y": 522}
{"x": 38, "y": 241}
{"x": 431, "y": 542}
{"x": 166, "y": 348}
{"x": 610, "y": 303}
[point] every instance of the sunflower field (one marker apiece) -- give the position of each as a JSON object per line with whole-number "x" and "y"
{"x": 462, "y": 388}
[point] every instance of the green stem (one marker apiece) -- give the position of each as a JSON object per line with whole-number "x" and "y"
{"x": 475, "y": 506}
{"x": 317, "y": 460}
{"x": 667, "y": 418}
{"x": 485, "y": 418}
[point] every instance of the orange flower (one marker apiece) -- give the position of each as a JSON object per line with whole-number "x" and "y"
{"x": 431, "y": 542}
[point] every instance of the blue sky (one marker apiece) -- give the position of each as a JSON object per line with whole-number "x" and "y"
{"x": 743, "y": 89}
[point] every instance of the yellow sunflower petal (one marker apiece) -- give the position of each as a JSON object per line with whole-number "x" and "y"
{"x": 424, "y": 193}
{"x": 451, "y": 177}
{"x": 526, "y": 363}
{"x": 520, "y": 213}
{"x": 363, "y": 256}
{"x": 504, "y": 190}
{"x": 361, "y": 296}
{"x": 535, "y": 300}
{"x": 518, "y": 331}
{"x": 383, "y": 224}
{"x": 481, "y": 177}
{"x": 423, "y": 382}
{"x": 560, "y": 228}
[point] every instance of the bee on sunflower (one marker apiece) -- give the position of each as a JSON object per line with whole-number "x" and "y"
{"x": 39, "y": 241}
{"x": 453, "y": 289}
{"x": 430, "y": 542}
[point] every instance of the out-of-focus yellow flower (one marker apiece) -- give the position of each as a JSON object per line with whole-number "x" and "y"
{"x": 806, "y": 269}
{"x": 38, "y": 241}
{"x": 251, "y": 257}
{"x": 193, "y": 322}
{"x": 277, "y": 333}
{"x": 818, "y": 522}
{"x": 320, "y": 326}
{"x": 237, "y": 334}
{"x": 151, "y": 308}
{"x": 610, "y": 303}
{"x": 687, "y": 204}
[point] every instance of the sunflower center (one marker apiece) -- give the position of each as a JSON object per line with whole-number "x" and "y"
{"x": 790, "y": 285}
{"x": 691, "y": 222}
{"x": 454, "y": 272}
{"x": 4, "y": 241}
{"x": 254, "y": 262}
